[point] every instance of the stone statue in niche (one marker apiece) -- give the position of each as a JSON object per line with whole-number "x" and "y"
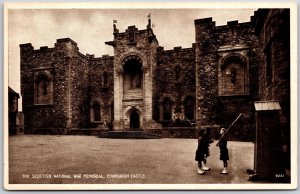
{"x": 233, "y": 75}
{"x": 44, "y": 88}
{"x": 138, "y": 81}
{"x": 135, "y": 81}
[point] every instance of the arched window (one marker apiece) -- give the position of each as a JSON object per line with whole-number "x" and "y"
{"x": 97, "y": 113}
{"x": 233, "y": 75}
{"x": 189, "y": 108}
{"x": 43, "y": 92}
{"x": 167, "y": 109}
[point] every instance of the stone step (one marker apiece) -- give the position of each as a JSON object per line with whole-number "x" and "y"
{"x": 90, "y": 131}
{"x": 128, "y": 135}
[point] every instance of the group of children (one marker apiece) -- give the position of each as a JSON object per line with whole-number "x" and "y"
{"x": 202, "y": 152}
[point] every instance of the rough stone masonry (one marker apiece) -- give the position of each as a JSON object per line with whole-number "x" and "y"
{"x": 144, "y": 87}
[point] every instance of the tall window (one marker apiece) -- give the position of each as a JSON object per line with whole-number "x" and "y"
{"x": 167, "y": 109}
{"x": 189, "y": 108}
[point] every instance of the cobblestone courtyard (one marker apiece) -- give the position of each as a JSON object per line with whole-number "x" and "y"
{"x": 88, "y": 159}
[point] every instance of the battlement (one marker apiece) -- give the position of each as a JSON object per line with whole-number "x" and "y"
{"x": 64, "y": 40}
{"x": 137, "y": 31}
{"x": 175, "y": 49}
{"x": 29, "y": 47}
{"x": 204, "y": 21}
{"x": 103, "y": 57}
{"x": 234, "y": 24}
{"x": 44, "y": 48}
{"x": 131, "y": 28}
{"x": 26, "y": 46}
{"x": 208, "y": 22}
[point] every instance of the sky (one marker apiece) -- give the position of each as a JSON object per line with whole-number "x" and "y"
{"x": 90, "y": 28}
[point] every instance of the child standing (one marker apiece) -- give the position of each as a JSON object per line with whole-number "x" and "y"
{"x": 224, "y": 156}
{"x": 207, "y": 141}
{"x": 202, "y": 151}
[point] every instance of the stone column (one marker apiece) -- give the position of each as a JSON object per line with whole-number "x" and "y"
{"x": 118, "y": 96}
{"x": 147, "y": 95}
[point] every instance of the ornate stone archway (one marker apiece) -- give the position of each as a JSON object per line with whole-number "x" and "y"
{"x": 132, "y": 88}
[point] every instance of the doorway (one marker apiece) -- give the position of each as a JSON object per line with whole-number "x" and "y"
{"x": 134, "y": 120}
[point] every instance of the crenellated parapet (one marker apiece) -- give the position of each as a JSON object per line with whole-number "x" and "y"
{"x": 226, "y": 69}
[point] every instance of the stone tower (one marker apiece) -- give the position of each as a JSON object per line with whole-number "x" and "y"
{"x": 135, "y": 53}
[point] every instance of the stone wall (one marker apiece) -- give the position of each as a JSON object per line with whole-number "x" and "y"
{"x": 12, "y": 111}
{"x": 97, "y": 91}
{"x": 223, "y": 73}
{"x": 53, "y": 115}
{"x": 66, "y": 67}
{"x": 214, "y": 44}
{"x": 174, "y": 79}
{"x": 273, "y": 30}
{"x": 78, "y": 91}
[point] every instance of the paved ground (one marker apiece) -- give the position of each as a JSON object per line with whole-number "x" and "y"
{"x": 56, "y": 159}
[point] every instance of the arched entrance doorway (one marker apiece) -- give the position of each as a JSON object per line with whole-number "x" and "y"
{"x": 134, "y": 120}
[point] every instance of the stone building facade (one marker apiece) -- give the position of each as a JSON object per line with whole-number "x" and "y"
{"x": 273, "y": 32}
{"x": 144, "y": 87}
{"x": 227, "y": 60}
{"x": 272, "y": 27}
{"x": 13, "y": 98}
